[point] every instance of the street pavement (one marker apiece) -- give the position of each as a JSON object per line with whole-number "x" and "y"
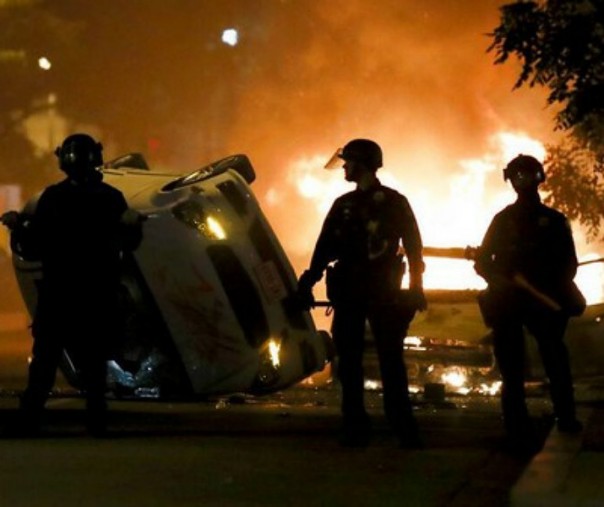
{"x": 282, "y": 449}
{"x": 279, "y": 450}
{"x": 569, "y": 471}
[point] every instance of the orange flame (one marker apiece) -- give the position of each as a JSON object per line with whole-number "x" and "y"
{"x": 458, "y": 218}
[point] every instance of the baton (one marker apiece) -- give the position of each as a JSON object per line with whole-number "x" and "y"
{"x": 523, "y": 283}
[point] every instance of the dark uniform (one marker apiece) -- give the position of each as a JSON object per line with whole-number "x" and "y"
{"x": 362, "y": 233}
{"x": 77, "y": 233}
{"x": 530, "y": 245}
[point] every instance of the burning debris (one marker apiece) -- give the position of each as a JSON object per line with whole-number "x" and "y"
{"x": 462, "y": 367}
{"x": 453, "y": 366}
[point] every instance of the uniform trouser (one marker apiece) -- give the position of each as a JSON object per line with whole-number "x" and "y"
{"x": 46, "y": 356}
{"x": 548, "y": 330}
{"x": 348, "y": 331}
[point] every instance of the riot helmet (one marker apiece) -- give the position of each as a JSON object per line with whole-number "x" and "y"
{"x": 524, "y": 170}
{"x": 364, "y": 151}
{"x": 80, "y": 156}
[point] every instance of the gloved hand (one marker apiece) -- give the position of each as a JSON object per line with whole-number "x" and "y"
{"x": 304, "y": 296}
{"x": 418, "y": 298}
{"x": 11, "y": 219}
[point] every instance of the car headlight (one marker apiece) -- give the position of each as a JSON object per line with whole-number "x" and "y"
{"x": 270, "y": 362}
{"x": 193, "y": 214}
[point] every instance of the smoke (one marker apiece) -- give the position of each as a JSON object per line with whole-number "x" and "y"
{"x": 414, "y": 76}
{"x": 305, "y": 77}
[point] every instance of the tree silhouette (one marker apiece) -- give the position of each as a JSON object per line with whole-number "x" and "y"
{"x": 560, "y": 45}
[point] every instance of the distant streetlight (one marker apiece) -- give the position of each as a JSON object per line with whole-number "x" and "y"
{"x": 44, "y": 63}
{"x": 230, "y": 36}
{"x": 51, "y": 100}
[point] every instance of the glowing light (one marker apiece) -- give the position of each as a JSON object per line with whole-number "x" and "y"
{"x": 372, "y": 385}
{"x": 192, "y": 214}
{"x": 230, "y": 37}
{"x": 590, "y": 279}
{"x": 513, "y": 144}
{"x": 412, "y": 341}
{"x": 44, "y": 63}
{"x": 454, "y": 377}
{"x": 451, "y": 274}
{"x": 309, "y": 186}
{"x": 274, "y": 348}
{"x": 308, "y": 381}
{"x": 491, "y": 389}
{"x": 315, "y": 184}
{"x": 215, "y": 229}
{"x": 268, "y": 372}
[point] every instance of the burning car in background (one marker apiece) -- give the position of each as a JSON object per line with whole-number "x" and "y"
{"x": 585, "y": 334}
{"x": 461, "y": 367}
{"x": 206, "y": 294}
{"x": 446, "y": 352}
{"x": 451, "y": 349}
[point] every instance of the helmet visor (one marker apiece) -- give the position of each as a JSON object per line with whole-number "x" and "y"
{"x": 336, "y": 161}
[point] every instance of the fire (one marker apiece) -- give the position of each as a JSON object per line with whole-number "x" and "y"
{"x": 454, "y": 215}
{"x": 589, "y": 279}
{"x": 490, "y": 389}
{"x": 274, "y": 348}
{"x": 455, "y": 378}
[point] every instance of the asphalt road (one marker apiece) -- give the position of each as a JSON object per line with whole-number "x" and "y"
{"x": 237, "y": 451}
{"x": 277, "y": 451}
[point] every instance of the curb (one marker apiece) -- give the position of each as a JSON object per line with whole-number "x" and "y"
{"x": 545, "y": 480}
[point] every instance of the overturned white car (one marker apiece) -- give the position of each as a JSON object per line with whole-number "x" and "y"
{"x": 207, "y": 293}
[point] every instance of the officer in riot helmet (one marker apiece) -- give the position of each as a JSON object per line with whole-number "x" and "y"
{"x": 525, "y": 173}
{"x": 80, "y": 157}
{"x": 364, "y": 151}
{"x": 359, "y": 249}
{"x": 78, "y": 231}
{"x": 529, "y": 261}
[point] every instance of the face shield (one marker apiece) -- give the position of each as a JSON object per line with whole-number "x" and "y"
{"x": 363, "y": 151}
{"x": 336, "y": 161}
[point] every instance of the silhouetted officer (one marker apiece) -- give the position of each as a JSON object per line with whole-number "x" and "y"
{"x": 362, "y": 233}
{"x": 528, "y": 259}
{"x": 78, "y": 230}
